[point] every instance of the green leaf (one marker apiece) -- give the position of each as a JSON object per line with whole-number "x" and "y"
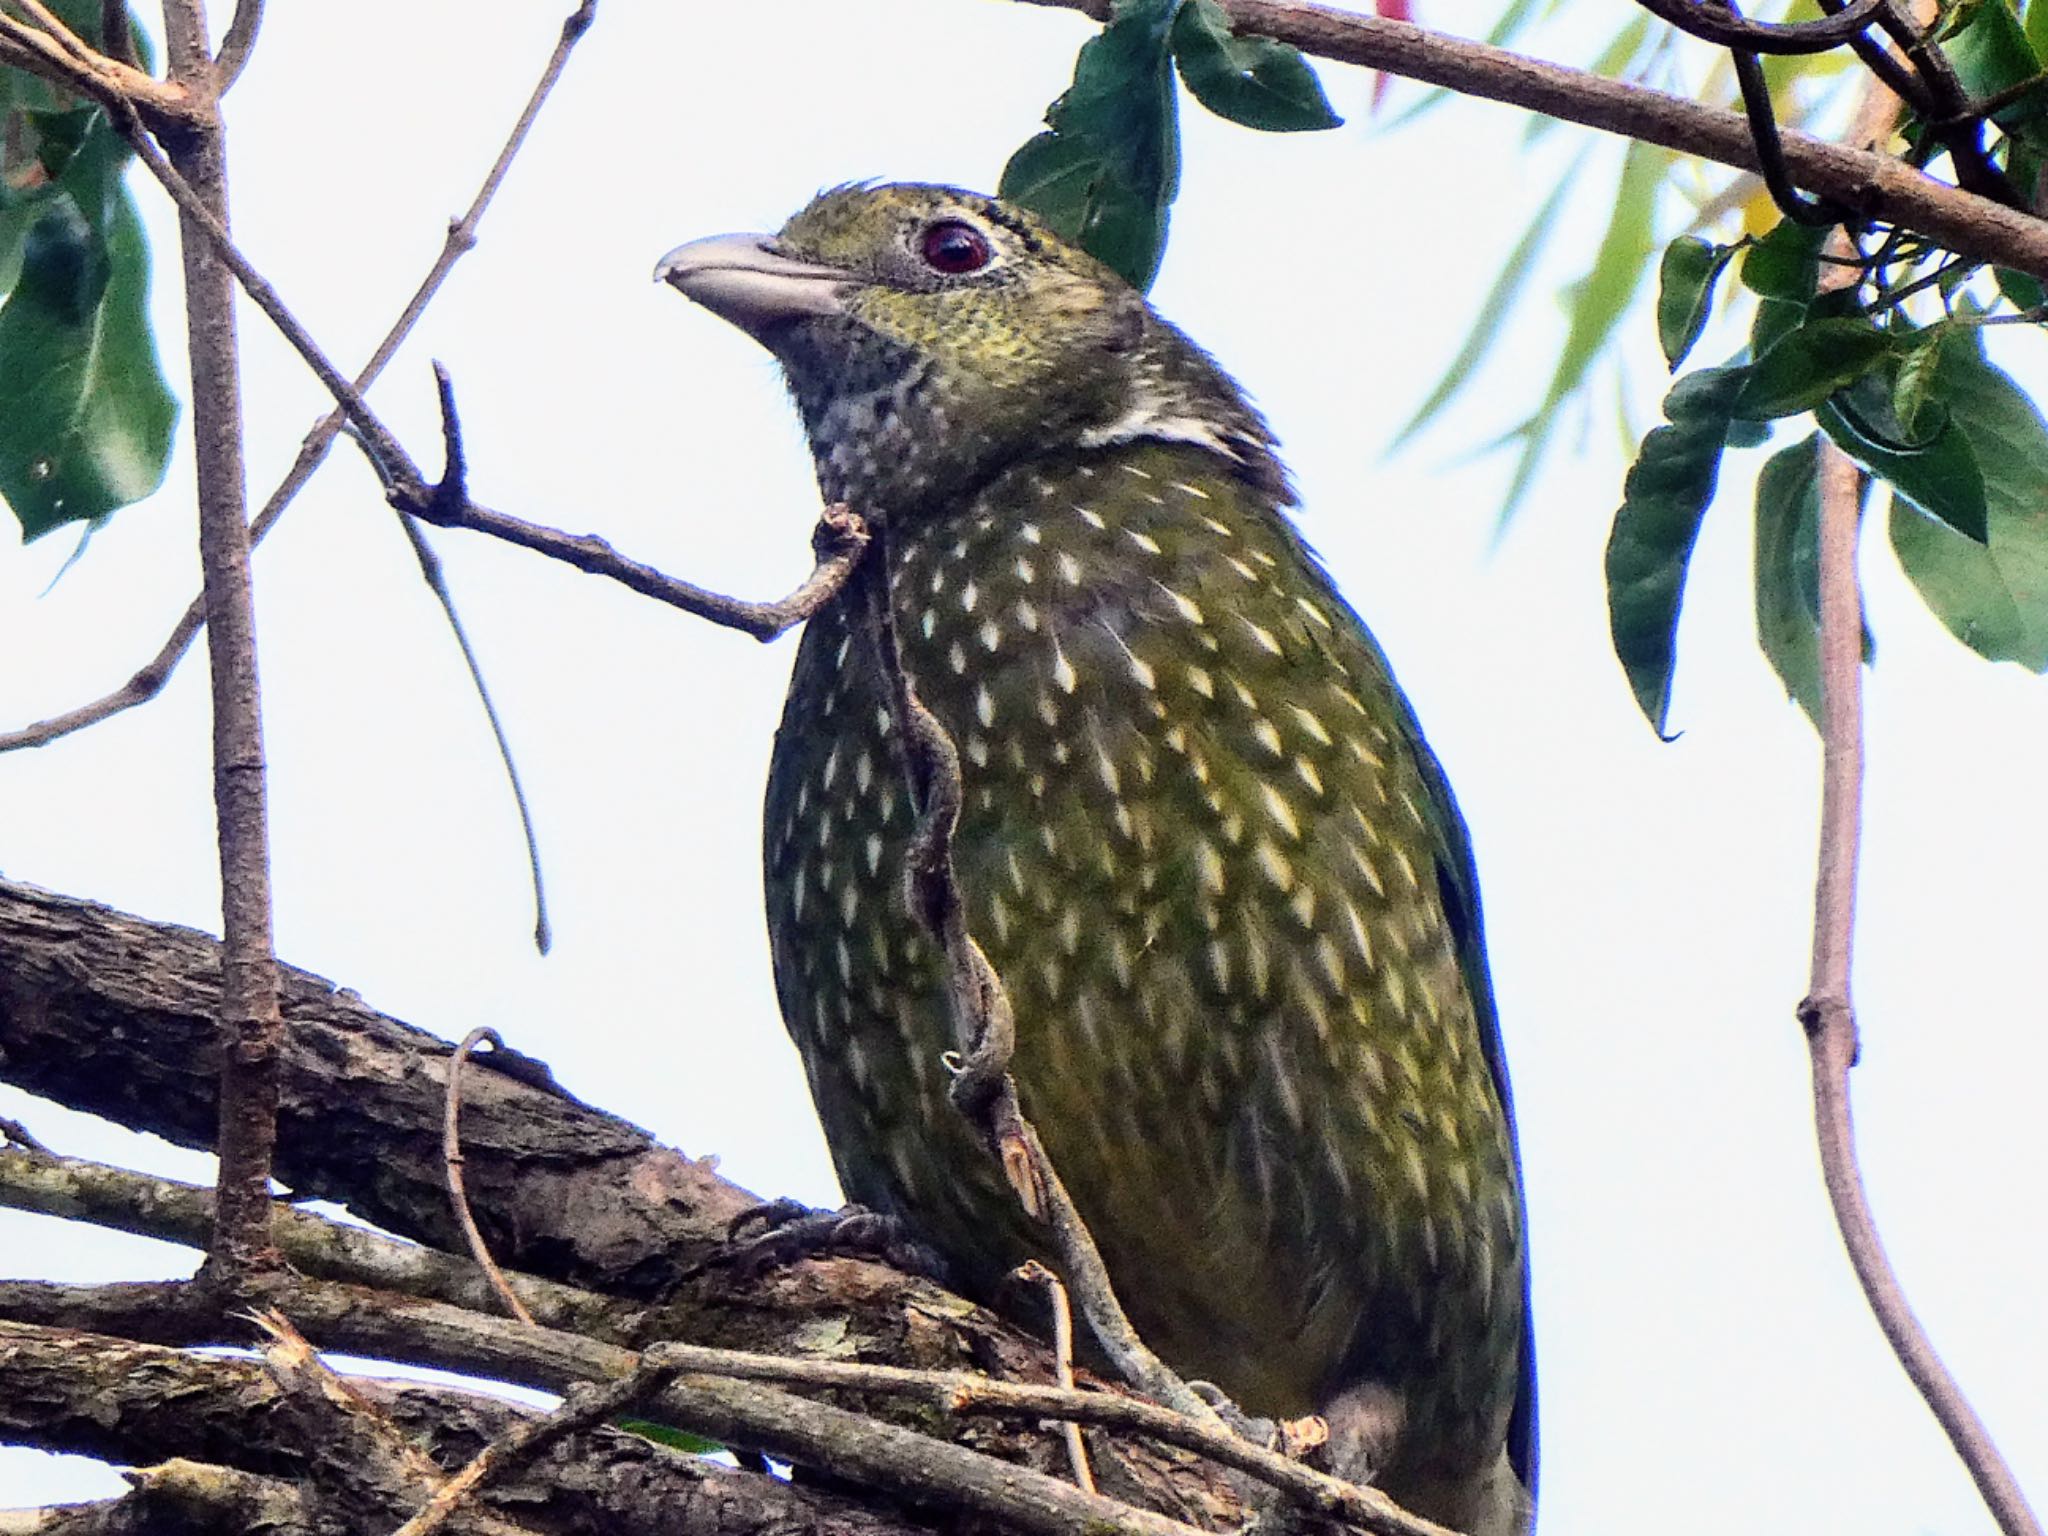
{"x": 1917, "y": 352}
{"x": 2037, "y": 27}
{"x": 675, "y": 1439}
{"x": 1992, "y": 596}
{"x": 1598, "y": 302}
{"x": 1685, "y": 292}
{"x": 1938, "y": 472}
{"x": 1784, "y": 263}
{"x": 1991, "y": 53}
{"x": 2022, "y": 289}
{"x": 1809, "y": 364}
{"x": 1105, "y": 173}
{"x": 1788, "y": 569}
{"x": 85, "y": 416}
{"x": 1663, "y": 499}
{"x": 1500, "y": 298}
{"x": 1250, "y": 80}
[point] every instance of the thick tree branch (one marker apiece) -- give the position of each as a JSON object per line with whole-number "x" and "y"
{"x": 1873, "y": 186}
{"x": 100, "y": 1396}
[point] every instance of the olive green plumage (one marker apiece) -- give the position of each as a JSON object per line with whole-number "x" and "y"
{"x": 1203, "y": 842}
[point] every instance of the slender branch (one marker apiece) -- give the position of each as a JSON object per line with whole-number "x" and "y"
{"x": 839, "y": 541}
{"x": 458, "y": 1197}
{"x": 235, "y": 47}
{"x": 1829, "y": 1017}
{"x": 1031, "y": 1272}
{"x": 117, "y": 85}
{"x": 983, "y": 1022}
{"x": 1874, "y": 186}
{"x": 176, "y": 1212}
{"x": 250, "y": 1024}
{"x": 149, "y": 681}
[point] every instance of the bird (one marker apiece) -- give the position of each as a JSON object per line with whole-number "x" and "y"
{"x": 1202, "y": 840}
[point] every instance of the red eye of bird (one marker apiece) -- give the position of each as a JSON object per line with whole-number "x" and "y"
{"x": 953, "y": 247}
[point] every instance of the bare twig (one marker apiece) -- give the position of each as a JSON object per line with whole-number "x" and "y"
{"x": 451, "y": 1156}
{"x": 250, "y": 1024}
{"x": 583, "y": 1407}
{"x": 1829, "y": 1018}
{"x": 1031, "y": 1272}
{"x": 839, "y": 541}
{"x": 983, "y": 1023}
{"x": 148, "y": 682}
{"x": 235, "y": 46}
{"x": 113, "y": 83}
{"x": 1826, "y": 1013}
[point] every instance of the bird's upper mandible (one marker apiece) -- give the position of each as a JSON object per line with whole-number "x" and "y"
{"x": 931, "y": 335}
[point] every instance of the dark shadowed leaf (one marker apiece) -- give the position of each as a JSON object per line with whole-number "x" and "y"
{"x": 1250, "y": 80}
{"x": 1787, "y": 569}
{"x": 1935, "y": 467}
{"x": 85, "y": 417}
{"x": 1992, "y": 596}
{"x": 1105, "y": 173}
{"x": 1663, "y": 499}
{"x": 1807, "y": 365}
{"x": 1685, "y": 292}
{"x": 1784, "y": 263}
{"x": 2023, "y": 289}
{"x": 1992, "y": 53}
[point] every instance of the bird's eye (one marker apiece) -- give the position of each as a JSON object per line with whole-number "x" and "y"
{"x": 954, "y": 247}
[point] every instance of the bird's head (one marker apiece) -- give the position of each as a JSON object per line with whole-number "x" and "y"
{"x": 932, "y": 336}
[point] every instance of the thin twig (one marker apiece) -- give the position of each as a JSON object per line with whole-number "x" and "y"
{"x": 235, "y": 47}
{"x": 54, "y": 25}
{"x": 983, "y": 1023}
{"x": 451, "y": 1157}
{"x": 1827, "y": 1014}
{"x": 1031, "y": 1272}
{"x": 149, "y": 680}
{"x": 839, "y": 541}
{"x": 583, "y": 1407}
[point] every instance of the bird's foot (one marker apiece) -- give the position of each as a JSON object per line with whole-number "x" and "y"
{"x": 1263, "y": 1432}
{"x": 790, "y": 1231}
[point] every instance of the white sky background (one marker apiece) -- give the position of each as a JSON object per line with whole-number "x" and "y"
{"x": 1706, "y": 1361}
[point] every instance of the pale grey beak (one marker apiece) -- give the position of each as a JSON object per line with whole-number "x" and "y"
{"x": 744, "y": 279}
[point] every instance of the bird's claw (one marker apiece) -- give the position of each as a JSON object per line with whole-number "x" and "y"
{"x": 791, "y": 1231}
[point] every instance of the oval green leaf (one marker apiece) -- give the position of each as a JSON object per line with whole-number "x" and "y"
{"x": 1938, "y": 472}
{"x": 1807, "y": 365}
{"x": 1250, "y": 80}
{"x": 1685, "y": 292}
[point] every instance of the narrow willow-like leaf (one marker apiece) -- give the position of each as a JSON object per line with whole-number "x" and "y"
{"x": 1500, "y": 298}
{"x": 1663, "y": 500}
{"x": 1598, "y": 303}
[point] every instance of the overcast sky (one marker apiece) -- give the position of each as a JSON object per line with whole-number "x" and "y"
{"x": 1707, "y": 1363}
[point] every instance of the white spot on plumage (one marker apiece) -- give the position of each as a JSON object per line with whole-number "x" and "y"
{"x": 977, "y": 749}
{"x": 1219, "y": 964}
{"x": 1200, "y": 680}
{"x": 1241, "y": 568}
{"x": 1303, "y": 902}
{"x": 1143, "y": 540}
{"x": 1368, "y": 870}
{"x": 1280, "y": 811}
{"x": 849, "y": 904}
{"x": 956, "y": 657}
{"x": 1306, "y": 771}
{"x": 1311, "y": 724}
{"x": 1361, "y": 940}
{"x": 1105, "y": 770}
{"x": 1070, "y": 569}
{"x": 1091, "y": 517}
{"x": 1190, "y": 490}
{"x": 1062, "y": 669}
{"x": 984, "y": 705}
{"x": 1314, "y": 612}
{"x": 873, "y": 850}
{"x": 991, "y": 635}
{"x": 1223, "y": 528}
{"x": 929, "y": 622}
{"x": 1273, "y": 863}
{"x": 1027, "y": 615}
{"x": 864, "y": 772}
{"x": 1026, "y": 571}
{"x": 1070, "y": 931}
{"x": 969, "y": 596}
{"x": 1330, "y": 962}
{"x": 1049, "y": 712}
{"x": 1184, "y": 605}
{"x": 798, "y": 890}
{"x": 1266, "y": 735}
{"x": 1209, "y": 865}
{"x": 1029, "y": 533}
{"x": 1135, "y": 472}
{"x": 1418, "y": 1174}
{"x": 1267, "y": 640}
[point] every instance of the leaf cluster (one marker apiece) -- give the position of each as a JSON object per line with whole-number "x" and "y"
{"x": 1917, "y": 404}
{"x": 1105, "y": 171}
{"x": 85, "y": 414}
